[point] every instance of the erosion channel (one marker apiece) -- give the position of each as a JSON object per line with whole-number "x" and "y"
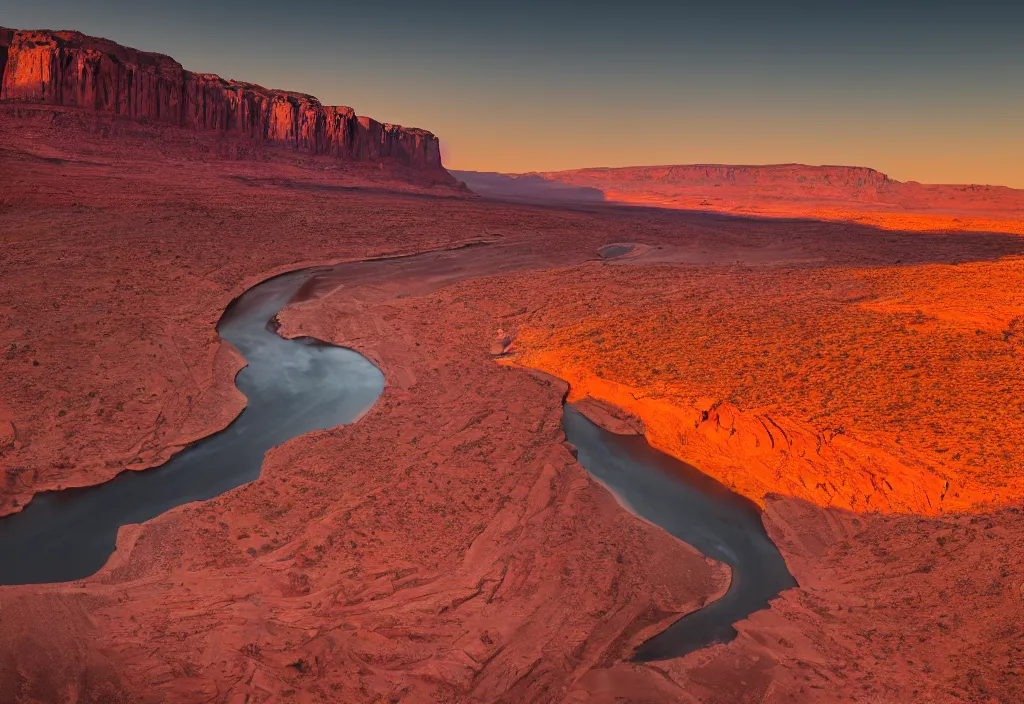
{"x": 292, "y": 386}
{"x": 698, "y": 510}
{"x": 295, "y": 386}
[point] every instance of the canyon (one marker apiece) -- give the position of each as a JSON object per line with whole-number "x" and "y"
{"x": 860, "y": 384}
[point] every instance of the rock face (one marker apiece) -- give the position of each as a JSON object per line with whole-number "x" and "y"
{"x": 852, "y": 178}
{"x": 74, "y": 70}
{"x": 773, "y": 182}
{"x": 828, "y": 193}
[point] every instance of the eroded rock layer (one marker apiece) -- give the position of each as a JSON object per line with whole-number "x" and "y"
{"x": 825, "y": 193}
{"x": 74, "y": 70}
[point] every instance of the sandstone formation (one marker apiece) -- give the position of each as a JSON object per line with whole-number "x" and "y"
{"x": 847, "y": 181}
{"x": 74, "y": 70}
{"x": 891, "y": 390}
{"x": 787, "y": 183}
{"x": 829, "y": 193}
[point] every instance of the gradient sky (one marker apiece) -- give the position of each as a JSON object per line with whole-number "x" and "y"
{"x": 928, "y": 91}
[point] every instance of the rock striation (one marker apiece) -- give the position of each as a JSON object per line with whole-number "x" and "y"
{"x": 71, "y": 69}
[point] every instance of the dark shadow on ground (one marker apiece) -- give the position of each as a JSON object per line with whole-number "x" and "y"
{"x": 726, "y": 238}
{"x": 526, "y": 188}
{"x": 819, "y": 242}
{"x": 444, "y": 190}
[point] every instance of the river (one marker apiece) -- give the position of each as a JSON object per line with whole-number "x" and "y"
{"x": 295, "y": 386}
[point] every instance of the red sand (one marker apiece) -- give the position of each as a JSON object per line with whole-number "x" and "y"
{"x": 447, "y": 547}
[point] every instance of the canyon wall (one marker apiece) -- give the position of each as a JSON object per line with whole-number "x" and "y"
{"x": 70, "y": 69}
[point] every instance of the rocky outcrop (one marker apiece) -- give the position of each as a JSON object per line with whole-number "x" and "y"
{"x": 719, "y": 174}
{"x": 782, "y": 179}
{"x": 74, "y": 70}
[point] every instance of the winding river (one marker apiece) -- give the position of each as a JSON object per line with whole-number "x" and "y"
{"x": 295, "y": 386}
{"x": 698, "y": 510}
{"x": 292, "y": 386}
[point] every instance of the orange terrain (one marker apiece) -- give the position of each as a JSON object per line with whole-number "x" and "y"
{"x": 828, "y": 193}
{"x": 863, "y": 385}
{"x": 889, "y": 389}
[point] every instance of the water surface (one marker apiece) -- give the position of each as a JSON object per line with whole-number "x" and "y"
{"x": 292, "y": 386}
{"x": 699, "y": 511}
{"x": 297, "y": 386}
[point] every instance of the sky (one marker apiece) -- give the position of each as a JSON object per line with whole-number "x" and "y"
{"x": 926, "y": 91}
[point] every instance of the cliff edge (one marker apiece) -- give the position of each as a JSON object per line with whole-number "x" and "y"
{"x": 71, "y": 69}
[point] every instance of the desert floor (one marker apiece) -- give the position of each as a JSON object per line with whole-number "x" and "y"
{"x": 863, "y": 385}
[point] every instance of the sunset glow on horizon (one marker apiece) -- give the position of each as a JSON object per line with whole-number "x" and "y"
{"x": 931, "y": 92}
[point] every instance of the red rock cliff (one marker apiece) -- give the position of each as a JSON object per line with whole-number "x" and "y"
{"x": 71, "y": 69}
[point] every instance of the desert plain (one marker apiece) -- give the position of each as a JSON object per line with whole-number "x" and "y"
{"x": 861, "y": 381}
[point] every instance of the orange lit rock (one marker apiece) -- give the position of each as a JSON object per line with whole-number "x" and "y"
{"x": 74, "y": 70}
{"x": 888, "y": 389}
{"x": 757, "y": 453}
{"x": 609, "y": 417}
